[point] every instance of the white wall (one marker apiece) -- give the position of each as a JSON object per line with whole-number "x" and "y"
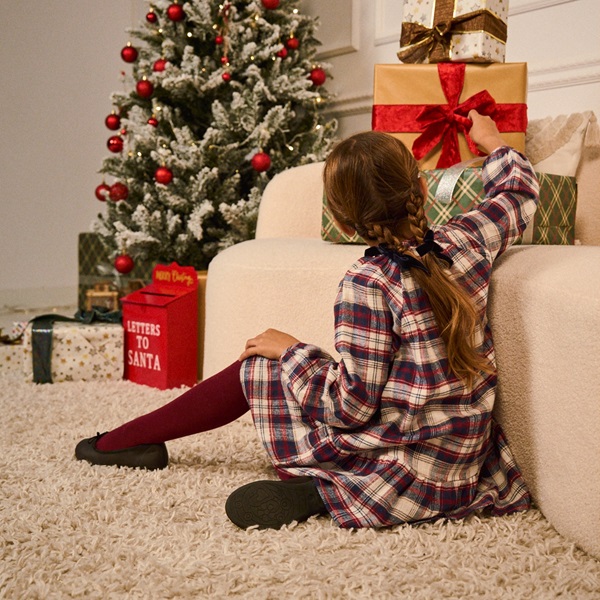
{"x": 60, "y": 60}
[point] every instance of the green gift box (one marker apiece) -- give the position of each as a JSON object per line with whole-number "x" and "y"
{"x": 459, "y": 190}
{"x": 95, "y": 267}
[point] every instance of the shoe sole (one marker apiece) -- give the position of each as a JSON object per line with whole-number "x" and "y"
{"x": 272, "y": 504}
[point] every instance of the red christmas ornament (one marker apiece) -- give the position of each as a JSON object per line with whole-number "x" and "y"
{"x": 129, "y": 54}
{"x": 159, "y": 65}
{"x": 102, "y": 192}
{"x": 153, "y": 121}
{"x": 261, "y": 162}
{"x": 318, "y": 76}
{"x": 226, "y": 77}
{"x": 118, "y": 191}
{"x": 270, "y": 4}
{"x": 282, "y": 53}
{"x": 163, "y": 175}
{"x": 115, "y": 143}
{"x": 292, "y": 43}
{"x": 144, "y": 88}
{"x": 175, "y": 12}
{"x": 219, "y": 40}
{"x": 124, "y": 263}
{"x": 224, "y": 60}
{"x": 113, "y": 121}
{"x": 151, "y": 16}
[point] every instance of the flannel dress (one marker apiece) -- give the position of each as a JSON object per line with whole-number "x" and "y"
{"x": 387, "y": 432}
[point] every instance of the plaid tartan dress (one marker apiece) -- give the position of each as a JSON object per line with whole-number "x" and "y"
{"x": 387, "y": 432}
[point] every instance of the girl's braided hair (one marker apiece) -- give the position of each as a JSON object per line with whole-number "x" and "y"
{"x": 372, "y": 185}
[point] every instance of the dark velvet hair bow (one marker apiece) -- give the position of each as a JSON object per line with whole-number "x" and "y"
{"x": 430, "y": 245}
{"x": 408, "y": 261}
{"x": 402, "y": 260}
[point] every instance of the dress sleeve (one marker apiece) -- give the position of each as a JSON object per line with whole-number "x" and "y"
{"x": 512, "y": 192}
{"x": 347, "y": 393}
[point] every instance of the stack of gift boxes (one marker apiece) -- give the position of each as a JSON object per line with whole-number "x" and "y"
{"x": 452, "y": 54}
{"x": 452, "y": 61}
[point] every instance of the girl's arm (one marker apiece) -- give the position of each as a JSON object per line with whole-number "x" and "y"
{"x": 346, "y": 394}
{"x": 512, "y": 192}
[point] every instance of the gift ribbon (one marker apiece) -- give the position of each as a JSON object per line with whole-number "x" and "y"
{"x": 419, "y": 43}
{"x": 443, "y": 122}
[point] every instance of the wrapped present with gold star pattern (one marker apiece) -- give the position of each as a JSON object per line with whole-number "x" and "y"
{"x": 453, "y": 30}
{"x": 78, "y": 352}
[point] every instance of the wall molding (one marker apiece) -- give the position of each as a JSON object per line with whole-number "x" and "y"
{"x": 517, "y": 7}
{"x": 337, "y": 39}
{"x": 563, "y": 75}
{"x": 388, "y": 22}
{"x": 347, "y": 106}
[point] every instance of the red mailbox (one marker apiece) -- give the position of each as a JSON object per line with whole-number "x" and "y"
{"x": 161, "y": 329}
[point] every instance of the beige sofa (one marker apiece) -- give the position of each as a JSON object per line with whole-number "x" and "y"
{"x": 544, "y": 309}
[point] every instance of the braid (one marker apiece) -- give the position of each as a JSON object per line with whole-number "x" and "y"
{"x": 372, "y": 184}
{"x": 416, "y": 216}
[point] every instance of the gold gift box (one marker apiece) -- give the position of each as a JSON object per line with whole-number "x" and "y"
{"x": 409, "y": 89}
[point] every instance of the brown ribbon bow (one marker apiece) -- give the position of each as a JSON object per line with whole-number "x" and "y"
{"x": 417, "y": 42}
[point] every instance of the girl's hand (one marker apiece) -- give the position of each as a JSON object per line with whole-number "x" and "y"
{"x": 484, "y": 132}
{"x": 270, "y": 344}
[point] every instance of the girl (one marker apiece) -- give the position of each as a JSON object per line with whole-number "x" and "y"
{"x": 400, "y": 429}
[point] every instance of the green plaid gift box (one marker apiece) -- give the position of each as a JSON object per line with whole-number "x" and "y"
{"x": 553, "y": 223}
{"x": 95, "y": 266}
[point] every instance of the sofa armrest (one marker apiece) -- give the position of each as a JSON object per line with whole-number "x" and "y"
{"x": 544, "y": 310}
{"x": 291, "y": 205}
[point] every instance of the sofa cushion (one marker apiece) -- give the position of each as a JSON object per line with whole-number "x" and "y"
{"x": 555, "y": 144}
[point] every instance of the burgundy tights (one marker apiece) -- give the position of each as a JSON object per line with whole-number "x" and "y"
{"x": 210, "y": 404}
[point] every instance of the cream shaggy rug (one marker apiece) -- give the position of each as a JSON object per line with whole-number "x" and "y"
{"x": 70, "y": 530}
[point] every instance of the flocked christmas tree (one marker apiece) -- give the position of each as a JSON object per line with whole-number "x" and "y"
{"x": 222, "y": 96}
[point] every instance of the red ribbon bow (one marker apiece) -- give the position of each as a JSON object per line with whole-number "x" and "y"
{"x": 443, "y": 122}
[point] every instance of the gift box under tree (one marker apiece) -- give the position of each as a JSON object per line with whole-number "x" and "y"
{"x": 76, "y": 352}
{"x": 454, "y": 30}
{"x": 96, "y": 269}
{"x": 427, "y": 107}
